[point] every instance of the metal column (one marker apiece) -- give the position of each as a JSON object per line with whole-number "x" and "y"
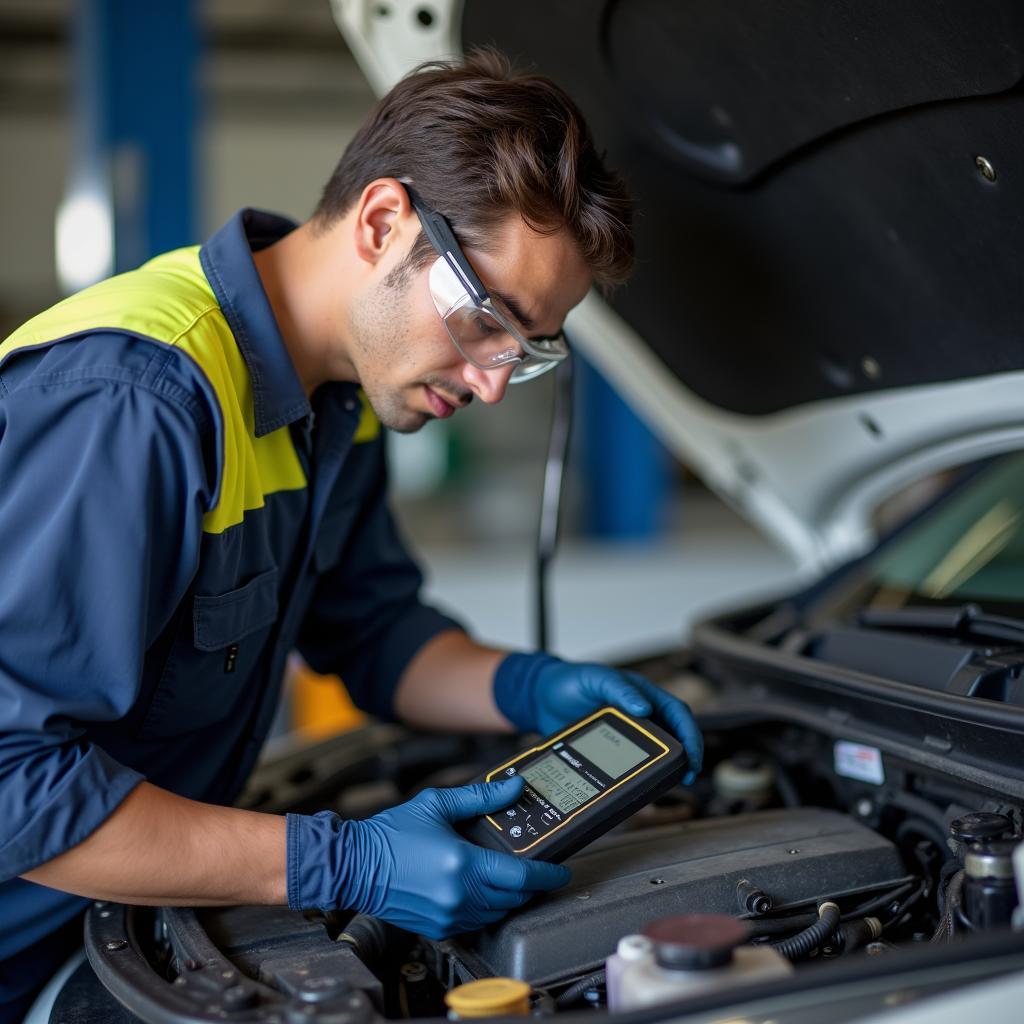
{"x": 132, "y": 185}
{"x": 627, "y": 471}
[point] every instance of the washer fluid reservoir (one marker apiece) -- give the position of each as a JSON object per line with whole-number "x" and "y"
{"x": 687, "y": 955}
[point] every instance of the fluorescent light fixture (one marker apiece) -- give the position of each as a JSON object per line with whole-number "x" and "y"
{"x": 84, "y": 240}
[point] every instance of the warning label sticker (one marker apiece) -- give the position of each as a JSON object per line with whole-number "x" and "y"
{"x": 856, "y": 761}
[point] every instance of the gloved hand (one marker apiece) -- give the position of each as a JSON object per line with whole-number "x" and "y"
{"x": 408, "y": 866}
{"x": 541, "y": 693}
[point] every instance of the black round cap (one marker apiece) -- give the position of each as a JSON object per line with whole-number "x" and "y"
{"x": 694, "y": 942}
{"x": 980, "y": 825}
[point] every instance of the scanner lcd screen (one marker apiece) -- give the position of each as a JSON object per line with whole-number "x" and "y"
{"x": 557, "y": 782}
{"x": 607, "y": 748}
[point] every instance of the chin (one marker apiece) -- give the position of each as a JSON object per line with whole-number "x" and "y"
{"x": 397, "y": 416}
{"x": 408, "y": 424}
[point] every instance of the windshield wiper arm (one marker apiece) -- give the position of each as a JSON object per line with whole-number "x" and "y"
{"x": 965, "y": 620}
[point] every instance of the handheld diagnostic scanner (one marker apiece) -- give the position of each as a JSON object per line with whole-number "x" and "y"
{"x": 580, "y": 782}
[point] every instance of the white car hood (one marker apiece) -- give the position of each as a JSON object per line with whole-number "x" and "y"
{"x": 887, "y": 344}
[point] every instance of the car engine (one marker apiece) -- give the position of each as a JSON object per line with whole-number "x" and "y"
{"x": 768, "y": 836}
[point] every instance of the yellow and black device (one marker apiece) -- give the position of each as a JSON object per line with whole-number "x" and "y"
{"x": 580, "y": 782}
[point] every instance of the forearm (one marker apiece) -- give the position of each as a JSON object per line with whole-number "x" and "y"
{"x": 448, "y": 685}
{"x": 161, "y": 849}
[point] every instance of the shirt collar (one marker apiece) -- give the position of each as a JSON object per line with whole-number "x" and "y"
{"x": 278, "y": 395}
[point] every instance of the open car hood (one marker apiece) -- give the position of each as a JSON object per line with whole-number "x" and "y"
{"x": 826, "y": 304}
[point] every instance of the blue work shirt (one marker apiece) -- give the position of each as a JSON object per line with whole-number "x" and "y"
{"x": 144, "y": 627}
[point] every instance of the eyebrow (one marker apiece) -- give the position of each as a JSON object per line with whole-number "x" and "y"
{"x": 516, "y": 310}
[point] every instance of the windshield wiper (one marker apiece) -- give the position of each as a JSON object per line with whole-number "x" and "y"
{"x": 968, "y": 620}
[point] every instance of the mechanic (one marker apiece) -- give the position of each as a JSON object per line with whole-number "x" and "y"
{"x": 194, "y": 486}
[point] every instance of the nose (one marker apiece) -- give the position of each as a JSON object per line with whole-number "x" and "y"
{"x": 488, "y": 385}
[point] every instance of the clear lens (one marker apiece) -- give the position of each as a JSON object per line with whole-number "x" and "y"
{"x": 480, "y": 337}
{"x": 487, "y": 337}
{"x": 530, "y": 368}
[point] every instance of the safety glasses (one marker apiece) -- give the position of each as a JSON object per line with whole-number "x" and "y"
{"x": 481, "y": 327}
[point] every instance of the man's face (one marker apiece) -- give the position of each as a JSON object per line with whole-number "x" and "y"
{"x": 406, "y": 362}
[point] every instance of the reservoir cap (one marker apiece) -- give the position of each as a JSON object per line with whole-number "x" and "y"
{"x": 980, "y": 825}
{"x": 694, "y": 942}
{"x": 490, "y": 997}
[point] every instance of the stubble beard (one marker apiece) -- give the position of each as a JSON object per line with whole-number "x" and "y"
{"x": 383, "y": 340}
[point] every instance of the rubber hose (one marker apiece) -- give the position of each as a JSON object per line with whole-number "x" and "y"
{"x": 780, "y": 925}
{"x": 367, "y": 936}
{"x": 577, "y": 988}
{"x": 811, "y": 939}
{"x": 927, "y": 829}
{"x": 859, "y": 933}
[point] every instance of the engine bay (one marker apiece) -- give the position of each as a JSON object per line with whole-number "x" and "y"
{"x": 770, "y": 835}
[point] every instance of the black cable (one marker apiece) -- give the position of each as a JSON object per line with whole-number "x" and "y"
{"x": 785, "y": 786}
{"x": 866, "y": 909}
{"x": 577, "y": 988}
{"x": 551, "y": 495}
{"x": 779, "y": 925}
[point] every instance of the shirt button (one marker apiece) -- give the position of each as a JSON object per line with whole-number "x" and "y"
{"x": 350, "y": 405}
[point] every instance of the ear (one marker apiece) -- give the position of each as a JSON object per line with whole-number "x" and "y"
{"x": 384, "y": 218}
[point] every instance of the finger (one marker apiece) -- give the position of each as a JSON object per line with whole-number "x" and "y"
{"x": 504, "y": 871}
{"x": 478, "y": 919}
{"x": 503, "y": 899}
{"x": 472, "y": 801}
{"x": 609, "y": 686}
{"x": 678, "y": 717}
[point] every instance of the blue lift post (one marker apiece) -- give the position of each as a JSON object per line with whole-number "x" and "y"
{"x": 135, "y": 106}
{"x": 627, "y": 471}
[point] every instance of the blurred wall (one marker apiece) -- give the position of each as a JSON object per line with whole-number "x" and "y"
{"x": 280, "y": 97}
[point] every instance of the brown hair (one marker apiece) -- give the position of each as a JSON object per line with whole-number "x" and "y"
{"x": 480, "y": 140}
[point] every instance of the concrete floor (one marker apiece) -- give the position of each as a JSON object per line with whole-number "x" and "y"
{"x": 609, "y": 600}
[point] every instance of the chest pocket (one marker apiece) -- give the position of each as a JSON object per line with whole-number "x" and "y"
{"x": 213, "y": 658}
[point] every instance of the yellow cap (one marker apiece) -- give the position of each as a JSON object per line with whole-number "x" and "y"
{"x": 490, "y": 997}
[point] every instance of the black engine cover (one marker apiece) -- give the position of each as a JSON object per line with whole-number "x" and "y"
{"x": 797, "y": 856}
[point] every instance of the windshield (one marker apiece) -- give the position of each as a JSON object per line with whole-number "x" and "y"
{"x": 969, "y": 547}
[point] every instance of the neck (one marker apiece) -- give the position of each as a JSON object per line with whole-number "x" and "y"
{"x": 307, "y": 291}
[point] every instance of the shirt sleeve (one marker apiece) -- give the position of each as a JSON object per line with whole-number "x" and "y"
{"x": 104, "y": 487}
{"x": 366, "y": 621}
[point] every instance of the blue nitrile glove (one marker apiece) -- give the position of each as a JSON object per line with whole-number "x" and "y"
{"x": 408, "y": 866}
{"x": 541, "y": 693}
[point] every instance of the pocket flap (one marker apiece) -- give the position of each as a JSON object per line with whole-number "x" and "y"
{"x": 224, "y": 619}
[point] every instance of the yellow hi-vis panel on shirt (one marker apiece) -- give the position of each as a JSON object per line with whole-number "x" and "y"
{"x": 169, "y": 300}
